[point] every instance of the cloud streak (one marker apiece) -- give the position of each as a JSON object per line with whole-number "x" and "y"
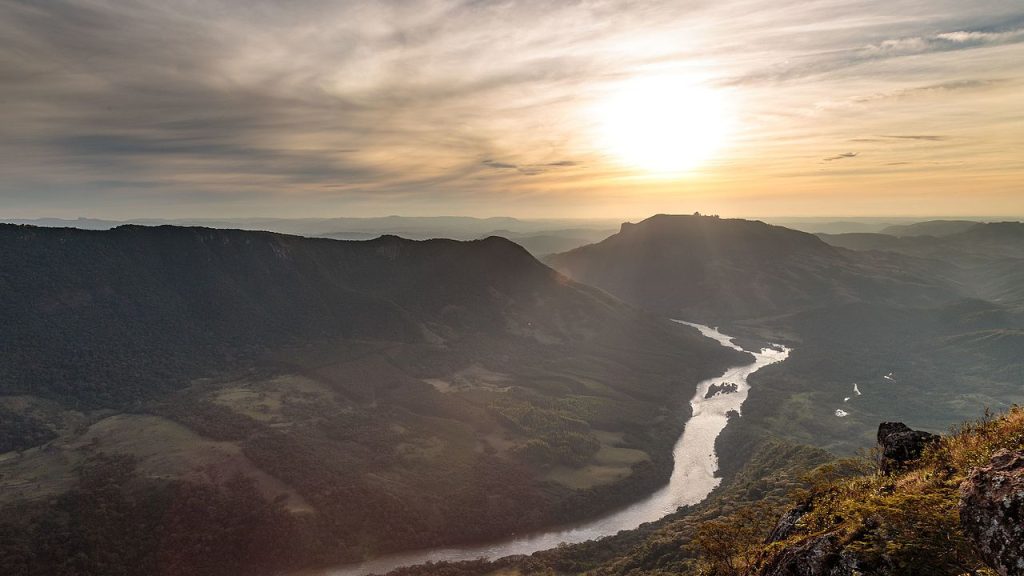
{"x": 843, "y": 156}
{"x": 530, "y": 169}
{"x": 893, "y": 48}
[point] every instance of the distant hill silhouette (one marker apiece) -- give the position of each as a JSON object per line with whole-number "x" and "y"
{"x": 930, "y": 228}
{"x": 987, "y": 240}
{"x": 987, "y": 259}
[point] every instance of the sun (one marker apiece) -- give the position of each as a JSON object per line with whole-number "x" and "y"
{"x": 665, "y": 125}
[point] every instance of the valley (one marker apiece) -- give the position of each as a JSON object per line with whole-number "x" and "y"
{"x": 382, "y": 396}
{"x": 693, "y": 478}
{"x": 385, "y": 395}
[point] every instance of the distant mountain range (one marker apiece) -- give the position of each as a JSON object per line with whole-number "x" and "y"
{"x": 539, "y": 237}
{"x": 942, "y": 240}
{"x": 987, "y": 258}
{"x": 898, "y": 226}
{"x": 930, "y": 228}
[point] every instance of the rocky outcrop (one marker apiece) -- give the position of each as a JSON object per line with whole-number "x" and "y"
{"x": 830, "y": 554}
{"x": 726, "y": 388}
{"x": 899, "y": 444}
{"x": 812, "y": 557}
{"x": 992, "y": 511}
{"x": 824, "y": 555}
{"x": 991, "y": 518}
{"x": 787, "y": 524}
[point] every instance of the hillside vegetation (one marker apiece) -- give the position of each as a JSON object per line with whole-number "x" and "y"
{"x": 902, "y": 523}
{"x": 851, "y": 519}
{"x": 381, "y": 395}
{"x": 669, "y": 545}
{"x": 788, "y": 513}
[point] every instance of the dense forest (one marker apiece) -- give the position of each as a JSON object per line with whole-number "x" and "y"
{"x": 373, "y": 396}
{"x": 112, "y": 521}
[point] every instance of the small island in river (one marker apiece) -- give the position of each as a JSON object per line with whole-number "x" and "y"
{"x": 724, "y": 388}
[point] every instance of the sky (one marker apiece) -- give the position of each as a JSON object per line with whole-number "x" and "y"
{"x": 590, "y": 109}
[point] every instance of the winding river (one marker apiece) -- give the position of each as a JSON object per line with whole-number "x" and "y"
{"x": 693, "y": 477}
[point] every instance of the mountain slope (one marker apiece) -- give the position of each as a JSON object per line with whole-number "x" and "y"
{"x": 162, "y": 300}
{"x": 706, "y": 267}
{"x": 394, "y": 393}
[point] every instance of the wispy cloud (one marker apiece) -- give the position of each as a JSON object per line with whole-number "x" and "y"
{"x": 891, "y": 137}
{"x": 530, "y": 169}
{"x": 842, "y": 156}
{"x": 836, "y": 60}
{"x": 925, "y": 137}
{"x": 916, "y": 91}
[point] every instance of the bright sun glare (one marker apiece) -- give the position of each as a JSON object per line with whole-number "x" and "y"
{"x": 664, "y": 125}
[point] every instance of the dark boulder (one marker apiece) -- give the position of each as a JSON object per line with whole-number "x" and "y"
{"x": 992, "y": 511}
{"x": 887, "y": 428}
{"x": 899, "y": 445}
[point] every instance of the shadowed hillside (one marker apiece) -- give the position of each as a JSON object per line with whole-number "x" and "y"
{"x": 700, "y": 266}
{"x": 388, "y": 394}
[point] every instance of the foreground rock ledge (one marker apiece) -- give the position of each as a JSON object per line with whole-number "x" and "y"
{"x": 992, "y": 511}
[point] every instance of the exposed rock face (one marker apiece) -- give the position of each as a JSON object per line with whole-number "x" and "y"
{"x": 812, "y": 557}
{"x": 819, "y": 556}
{"x": 992, "y": 511}
{"x": 830, "y": 554}
{"x": 786, "y": 526}
{"x": 886, "y": 428}
{"x": 900, "y": 444}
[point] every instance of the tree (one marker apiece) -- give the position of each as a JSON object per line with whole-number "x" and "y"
{"x": 727, "y": 546}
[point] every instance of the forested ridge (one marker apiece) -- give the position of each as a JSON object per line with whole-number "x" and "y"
{"x": 367, "y": 396}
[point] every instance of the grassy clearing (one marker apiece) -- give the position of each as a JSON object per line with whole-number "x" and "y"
{"x": 611, "y": 464}
{"x": 163, "y": 449}
{"x": 588, "y": 476}
{"x": 614, "y": 456}
{"x": 267, "y": 400}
